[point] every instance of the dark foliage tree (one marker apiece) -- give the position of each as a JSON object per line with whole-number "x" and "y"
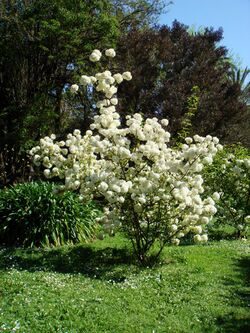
{"x": 38, "y": 40}
{"x": 240, "y": 76}
{"x": 166, "y": 63}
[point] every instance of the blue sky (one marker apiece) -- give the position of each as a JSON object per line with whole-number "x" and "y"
{"x": 232, "y": 15}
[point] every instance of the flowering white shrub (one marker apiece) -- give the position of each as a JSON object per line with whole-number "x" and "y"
{"x": 230, "y": 176}
{"x": 154, "y": 192}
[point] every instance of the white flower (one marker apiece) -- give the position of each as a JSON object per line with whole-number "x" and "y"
{"x": 85, "y": 80}
{"x": 106, "y": 75}
{"x": 173, "y": 227}
{"x": 118, "y": 78}
{"x": 197, "y": 229}
{"x": 116, "y": 188}
{"x": 103, "y": 187}
{"x": 77, "y": 132}
{"x": 197, "y": 238}
{"x": 142, "y": 200}
{"x": 95, "y": 56}
{"x": 111, "y": 91}
{"x": 110, "y": 53}
{"x": 37, "y": 157}
{"x": 93, "y": 79}
{"x": 208, "y": 160}
{"x": 175, "y": 241}
{"x": 216, "y": 196}
{"x": 210, "y": 209}
{"x": 204, "y": 238}
{"x": 55, "y": 171}
{"x": 46, "y": 173}
{"x": 198, "y": 138}
{"x": 76, "y": 184}
{"x": 247, "y": 219}
{"x": 110, "y": 80}
{"x": 247, "y": 163}
{"x": 114, "y": 101}
{"x": 204, "y": 220}
{"x": 189, "y": 140}
{"x": 74, "y": 88}
{"x": 164, "y": 122}
{"x": 127, "y": 76}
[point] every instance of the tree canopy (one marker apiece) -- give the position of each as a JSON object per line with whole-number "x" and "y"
{"x": 166, "y": 63}
{"x": 38, "y": 40}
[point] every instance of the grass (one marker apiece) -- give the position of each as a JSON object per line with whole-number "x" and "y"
{"x": 98, "y": 288}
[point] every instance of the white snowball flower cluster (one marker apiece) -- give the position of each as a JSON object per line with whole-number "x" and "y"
{"x": 95, "y": 56}
{"x": 74, "y": 88}
{"x": 70, "y": 159}
{"x": 105, "y": 82}
{"x": 152, "y": 190}
{"x": 110, "y": 53}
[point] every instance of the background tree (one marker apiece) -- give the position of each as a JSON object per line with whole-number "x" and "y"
{"x": 38, "y": 41}
{"x": 167, "y": 62}
{"x": 239, "y": 76}
{"x": 139, "y": 13}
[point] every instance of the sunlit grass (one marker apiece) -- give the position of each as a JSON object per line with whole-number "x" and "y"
{"x": 98, "y": 288}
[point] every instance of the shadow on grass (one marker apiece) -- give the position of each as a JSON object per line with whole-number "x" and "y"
{"x": 238, "y": 322}
{"x": 107, "y": 264}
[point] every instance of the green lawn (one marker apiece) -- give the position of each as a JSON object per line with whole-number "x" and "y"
{"x": 97, "y": 288}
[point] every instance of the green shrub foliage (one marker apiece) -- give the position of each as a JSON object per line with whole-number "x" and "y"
{"x": 37, "y": 214}
{"x": 230, "y": 176}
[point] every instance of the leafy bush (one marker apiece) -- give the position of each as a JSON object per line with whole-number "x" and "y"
{"x": 229, "y": 175}
{"x": 152, "y": 191}
{"x": 33, "y": 214}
